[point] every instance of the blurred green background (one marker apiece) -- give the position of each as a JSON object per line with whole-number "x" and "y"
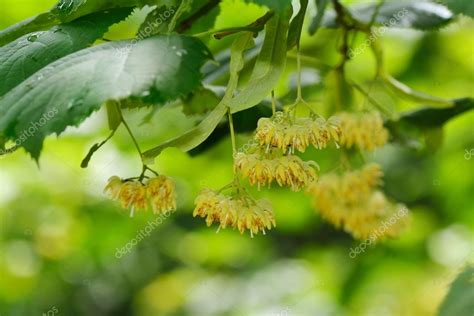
{"x": 59, "y": 234}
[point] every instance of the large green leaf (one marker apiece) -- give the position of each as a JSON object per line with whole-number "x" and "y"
{"x": 460, "y": 298}
{"x": 65, "y": 11}
{"x": 31, "y": 52}
{"x": 65, "y": 92}
{"x": 422, "y": 15}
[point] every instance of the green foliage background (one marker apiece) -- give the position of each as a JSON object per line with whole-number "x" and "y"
{"x": 59, "y": 234}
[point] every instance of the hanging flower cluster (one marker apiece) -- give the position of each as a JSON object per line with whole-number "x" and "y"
{"x": 238, "y": 210}
{"x": 289, "y": 171}
{"x": 272, "y": 158}
{"x": 364, "y": 130}
{"x": 158, "y": 194}
{"x": 289, "y": 134}
{"x": 352, "y": 201}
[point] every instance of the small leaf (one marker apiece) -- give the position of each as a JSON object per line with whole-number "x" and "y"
{"x": 156, "y": 22}
{"x": 318, "y": 18}
{"x": 422, "y": 15}
{"x": 184, "y": 6}
{"x": 296, "y": 25}
{"x": 465, "y": 7}
{"x": 114, "y": 117}
{"x": 276, "y": 5}
{"x": 31, "y": 52}
{"x": 460, "y": 298}
{"x": 64, "y": 93}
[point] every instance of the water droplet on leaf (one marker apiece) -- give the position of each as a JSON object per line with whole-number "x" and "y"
{"x": 32, "y": 38}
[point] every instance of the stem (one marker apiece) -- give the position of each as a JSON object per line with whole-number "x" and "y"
{"x": 129, "y": 131}
{"x": 253, "y": 27}
{"x": 299, "y": 96}
{"x": 273, "y": 103}
{"x": 232, "y": 132}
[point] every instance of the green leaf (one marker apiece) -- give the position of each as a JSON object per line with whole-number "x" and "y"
{"x": 36, "y": 23}
{"x": 411, "y": 127}
{"x": 429, "y": 117}
{"x": 465, "y": 7}
{"x": 31, "y": 52}
{"x": 201, "y": 18}
{"x": 277, "y": 5}
{"x": 114, "y": 117}
{"x": 64, "y": 93}
{"x": 268, "y": 67}
{"x": 296, "y": 25}
{"x": 422, "y": 15}
{"x": 200, "y": 101}
{"x": 65, "y": 11}
{"x": 156, "y": 21}
{"x": 318, "y": 18}
{"x": 184, "y": 6}
{"x": 460, "y": 298}
{"x": 200, "y": 133}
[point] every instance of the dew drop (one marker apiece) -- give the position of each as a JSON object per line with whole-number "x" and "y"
{"x": 32, "y": 38}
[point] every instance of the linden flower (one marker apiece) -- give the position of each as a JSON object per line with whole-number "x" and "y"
{"x": 157, "y": 192}
{"x": 350, "y": 201}
{"x": 241, "y": 211}
{"x": 288, "y": 171}
{"x": 378, "y": 219}
{"x": 133, "y": 195}
{"x": 364, "y": 130}
{"x": 161, "y": 194}
{"x": 283, "y": 133}
{"x": 113, "y": 187}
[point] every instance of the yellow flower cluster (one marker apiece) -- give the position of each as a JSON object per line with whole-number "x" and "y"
{"x": 364, "y": 130}
{"x": 289, "y": 134}
{"x": 351, "y": 201}
{"x": 157, "y": 194}
{"x": 289, "y": 171}
{"x": 240, "y": 211}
